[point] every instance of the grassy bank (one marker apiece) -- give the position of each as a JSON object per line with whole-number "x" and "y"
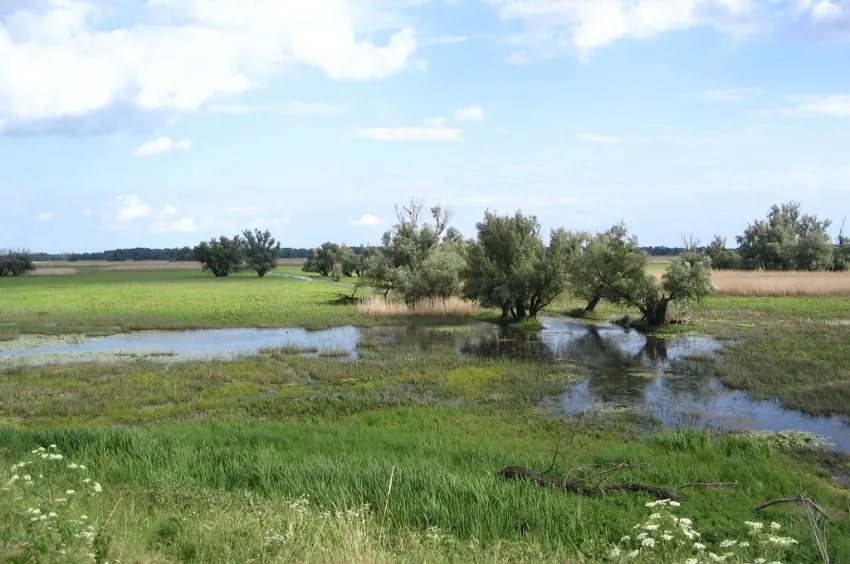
{"x": 208, "y": 493}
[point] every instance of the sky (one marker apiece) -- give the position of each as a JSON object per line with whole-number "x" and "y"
{"x": 161, "y": 123}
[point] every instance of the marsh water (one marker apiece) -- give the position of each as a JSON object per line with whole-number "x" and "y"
{"x": 670, "y": 379}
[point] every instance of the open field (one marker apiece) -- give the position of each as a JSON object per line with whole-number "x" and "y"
{"x": 209, "y": 461}
{"x": 134, "y": 265}
{"x": 107, "y": 302}
{"x": 778, "y": 284}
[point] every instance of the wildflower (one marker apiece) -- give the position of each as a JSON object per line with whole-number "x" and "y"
{"x": 775, "y": 526}
{"x": 634, "y": 553}
{"x": 27, "y": 478}
{"x": 699, "y": 546}
{"x": 650, "y": 526}
{"x": 655, "y": 516}
{"x": 626, "y": 538}
{"x": 760, "y": 561}
{"x": 70, "y": 492}
{"x": 691, "y": 561}
{"x": 84, "y": 517}
{"x": 641, "y": 536}
{"x": 614, "y": 553}
{"x": 649, "y": 543}
{"x": 674, "y": 504}
{"x": 667, "y": 537}
{"x": 52, "y": 446}
{"x": 685, "y": 522}
{"x": 86, "y": 480}
{"x": 97, "y": 488}
{"x": 728, "y": 543}
{"x": 755, "y": 526}
{"x": 781, "y": 541}
{"x": 60, "y": 499}
{"x": 52, "y": 514}
{"x": 744, "y": 544}
{"x": 73, "y": 466}
{"x": 715, "y": 557}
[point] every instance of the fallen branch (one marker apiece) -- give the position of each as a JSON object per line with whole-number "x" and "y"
{"x": 799, "y": 499}
{"x": 517, "y": 472}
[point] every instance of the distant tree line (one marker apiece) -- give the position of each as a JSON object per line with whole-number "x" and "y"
{"x": 144, "y": 253}
{"x": 15, "y": 262}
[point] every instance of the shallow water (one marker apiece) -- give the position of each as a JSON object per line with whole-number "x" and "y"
{"x": 670, "y": 379}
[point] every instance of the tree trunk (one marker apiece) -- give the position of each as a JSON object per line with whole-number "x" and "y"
{"x": 520, "y": 310}
{"x": 591, "y": 305}
{"x": 506, "y": 310}
{"x": 656, "y": 313}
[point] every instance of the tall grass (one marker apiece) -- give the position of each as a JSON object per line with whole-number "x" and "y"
{"x": 431, "y": 307}
{"x": 779, "y": 284}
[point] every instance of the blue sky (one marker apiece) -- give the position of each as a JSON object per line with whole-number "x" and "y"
{"x": 165, "y": 122}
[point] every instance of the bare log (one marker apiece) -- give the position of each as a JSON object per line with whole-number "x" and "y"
{"x": 518, "y": 472}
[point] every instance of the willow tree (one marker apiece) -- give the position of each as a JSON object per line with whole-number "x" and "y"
{"x": 512, "y": 269}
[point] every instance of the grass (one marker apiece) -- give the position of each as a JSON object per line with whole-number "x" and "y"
{"x": 198, "y": 493}
{"x": 208, "y": 461}
{"x": 99, "y": 301}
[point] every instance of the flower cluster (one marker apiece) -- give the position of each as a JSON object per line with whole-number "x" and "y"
{"x": 669, "y": 538}
{"x": 39, "y": 508}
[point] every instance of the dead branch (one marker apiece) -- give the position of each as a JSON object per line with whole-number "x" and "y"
{"x": 799, "y": 499}
{"x": 517, "y": 472}
{"x": 713, "y": 485}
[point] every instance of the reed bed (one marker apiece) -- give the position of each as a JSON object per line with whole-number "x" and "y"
{"x": 779, "y": 284}
{"x": 431, "y": 307}
{"x": 53, "y": 271}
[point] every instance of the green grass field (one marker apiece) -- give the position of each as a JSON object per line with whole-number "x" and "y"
{"x": 271, "y": 458}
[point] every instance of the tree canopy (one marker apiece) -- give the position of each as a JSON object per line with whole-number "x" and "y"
{"x": 510, "y": 268}
{"x": 221, "y": 256}
{"x": 260, "y": 251}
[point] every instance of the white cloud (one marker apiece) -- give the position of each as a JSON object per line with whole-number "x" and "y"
{"x": 88, "y": 212}
{"x": 181, "y": 225}
{"x": 434, "y": 122}
{"x": 829, "y": 105}
{"x": 286, "y": 108}
{"x": 596, "y": 138}
{"x": 436, "y": 134}
{"x": 367, "y": 220}
{"x": 162, "y": 145}
{"x": 552, "y": 27}
{"x": 473, "y": 113}
{"x": 46, "y": 216}
{"x": 168, "y": 210}
{"x": 125, "y": 209}
{"x": 728, "y": 94}
{"x": 69, "y": 61}
{"x": 269, "y": 222}
{"x": 239, "y": 209}
{"x": 821, "y": 10}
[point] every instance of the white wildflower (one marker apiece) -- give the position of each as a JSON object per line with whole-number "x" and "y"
{"x": 744, "y": 544}
{"x": 674, "y": 504}
{"x": 760, "y": 561}
{"x": 650, "y": 526}
{"x": 97, "y": 488}
{"x": 27, "y": 478}
{"x": 699, "y": 546}
{"x": 641, "y": 536}
{"x": 70, "y": 492}
{"x": 52, "y": 514}
{"x": 691, "y": 561}
{"x": 626, "y": 538}
{"x": 86, "y": 480}
{"x": 728, "y": 543}
{"x": 775, "y": 526}
{"x": 685, "y": 522}
{"x": 634, "y": 553}
{"x": 649, "y": 543}
{"x": 655, "y": 516}
{"x": 754, "y": 525}
{"x": 52, "y": 446}
{"x": 614, "y": 553}
{"x": 667, "y": 537}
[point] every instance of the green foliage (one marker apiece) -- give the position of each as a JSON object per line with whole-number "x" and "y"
{"x": 222, "y": 257}
{"x": 15, "y": 263}
{"x": 787, "y": 240}
{"x": 609, "y": 266}
{"x": 260, "y": 251}
{"x": 721, "y": 257}
{"x": 511, "y": 269}
{"x": 332, "y": 260}
{"x": 418, "y": 260}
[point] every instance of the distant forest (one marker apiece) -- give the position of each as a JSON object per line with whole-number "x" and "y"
{"x": 185, "y": 254}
